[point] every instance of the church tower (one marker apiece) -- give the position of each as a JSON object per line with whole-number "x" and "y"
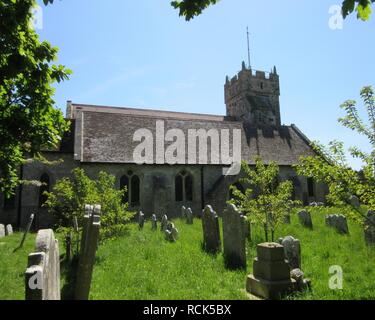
{"x": 254, "y": 98}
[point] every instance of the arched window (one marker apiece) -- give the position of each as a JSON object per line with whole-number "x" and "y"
{"x": 132, "y": 183}
{"x": 134, "y": 190}
{"x": 311, "y": 187}
{"x": 179, "y": 189}
{"x": 45, "y": 185}
{"x": 183, "y": 187}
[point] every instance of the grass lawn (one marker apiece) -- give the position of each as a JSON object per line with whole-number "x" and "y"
{"x": 13, "y": 265}
{"x": 142, "y": 265}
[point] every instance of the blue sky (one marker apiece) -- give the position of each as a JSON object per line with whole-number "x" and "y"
{"x": 141, "y": 54}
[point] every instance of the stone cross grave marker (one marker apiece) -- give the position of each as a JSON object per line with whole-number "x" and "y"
{"x": 234, "y": 238}
{"x": 211, "y": 230}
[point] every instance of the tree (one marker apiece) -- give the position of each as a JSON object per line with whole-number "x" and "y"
{"x": 69, "y": 196}
{"x": 270, "y": 202}
{"x": 363, "y": 8}
{"x": 192, "y": 8}
{"x": 331, "y": 167}
{"x": 28, "y": 119}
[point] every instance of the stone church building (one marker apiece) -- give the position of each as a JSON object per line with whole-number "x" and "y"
{"x": 103, "y": 139}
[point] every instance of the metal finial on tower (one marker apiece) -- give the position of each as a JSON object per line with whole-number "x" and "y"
{"x": 248, "y": 47}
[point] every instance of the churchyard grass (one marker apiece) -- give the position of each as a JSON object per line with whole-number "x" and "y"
{"x": 13, "y": 265}
{"x": 143, "y": 265}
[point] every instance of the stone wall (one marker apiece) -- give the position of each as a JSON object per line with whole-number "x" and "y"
{"x": 42, "y": 276}
{"x": 157, "y": 187}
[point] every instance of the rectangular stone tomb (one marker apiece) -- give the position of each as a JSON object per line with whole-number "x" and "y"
{"x": 271, "y": 273}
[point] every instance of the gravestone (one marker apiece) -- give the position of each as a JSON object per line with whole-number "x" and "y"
{"x": 171, "y": 232}
{"x": 89, "y": 245}
{"x": 211, "y": 230}
{"x": 354, "y": 201}
{"x": 234, "y": 238}
{"x": 287, "y": 218}
{"x": 8, "y": 230}
{"x": 292, "y": 250}
{"x": 2, "y": 231}
{"x": 305, "y": 219}
{"x": 369, "y": 228}
{"x": 183, "y": 212}
{"x": 154, "y": 222}
{"x": 42, "y": 276}
{"x": 189, "y": 216}
{"x": 271, "y": 273}
{"x": 31, "y": 219}
{"x": 163, "y": 223}
{"x": 339, "y": 222}
{"x": 141, "y": 220}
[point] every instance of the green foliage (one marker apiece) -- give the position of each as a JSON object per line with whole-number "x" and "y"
{"x": 330, "y": 166}
{"x": 191, "y": 8}
{"x": 28, "y": 120}
{"x": 363, "y": 8}
{"x": 268, "y": 204}
{"x": 69, "y": 196}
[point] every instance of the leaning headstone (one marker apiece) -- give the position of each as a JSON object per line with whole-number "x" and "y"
{"x": 163, "y": 223}
{"x": 141, "y": 220}
{"x": 154, "y": 222}
{"x": 369, "y": 228}
{"x": 31, "y": 219}
{"x": 292, "y": 250}
{"x": 211, "y": 230}
{"x": 89, "y": 245}
{"x": 2, "y": 231}
{"x": 42, "y": 277}
{"x": 8, "y": 230}
{"x": 189, "y": 216}
{"x": 234, "y": 238}
{"x": 305, "y": 219}
{"x": 354, "y": 201}
{"x": 271, "y": 273}
{"x": 183, "y": 212}
{"x": 171, "y": 232}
